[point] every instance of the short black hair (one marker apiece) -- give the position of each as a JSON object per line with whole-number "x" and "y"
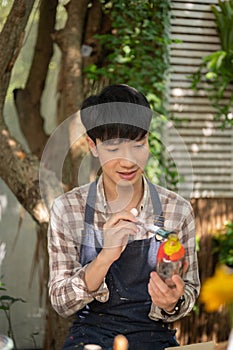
{"x": 118, "y": 111}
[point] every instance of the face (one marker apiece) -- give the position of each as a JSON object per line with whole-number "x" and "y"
{"x": 122, "y": 160}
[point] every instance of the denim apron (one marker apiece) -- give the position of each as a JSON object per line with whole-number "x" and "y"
{"x": 126, "y": 311}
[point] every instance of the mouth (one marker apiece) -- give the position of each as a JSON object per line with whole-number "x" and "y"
{"x": 127, "y": 175}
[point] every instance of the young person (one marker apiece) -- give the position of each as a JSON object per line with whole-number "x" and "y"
{"x": 102, "y": 263}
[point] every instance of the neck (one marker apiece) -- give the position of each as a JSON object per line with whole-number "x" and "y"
{"x": 124, "y": 197}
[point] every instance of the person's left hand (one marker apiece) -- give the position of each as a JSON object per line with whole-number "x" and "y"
{"x": 162, "y": 295}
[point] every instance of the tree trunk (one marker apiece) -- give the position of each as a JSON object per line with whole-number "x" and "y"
{"x": 11, "y": 39}
{"x": 28, "y": 100}
{"x": 19, "y": 171}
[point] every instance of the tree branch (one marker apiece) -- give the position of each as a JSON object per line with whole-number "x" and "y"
{"x": 70, "y": 82}
{"x": 28, "y": 100}
{"x": 20, "y": 172}
{"x": 11, "y": 41}
{"x": 70, "y": 40}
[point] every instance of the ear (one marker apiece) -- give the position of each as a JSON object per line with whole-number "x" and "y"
{"x": 92, "y": 147}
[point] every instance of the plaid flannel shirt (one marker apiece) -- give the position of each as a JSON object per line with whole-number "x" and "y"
{"x": 67, "y": 289}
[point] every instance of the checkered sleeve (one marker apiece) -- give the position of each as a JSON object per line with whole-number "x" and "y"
{"x": 67, "y": 289}
{"x": 187, "y": 234}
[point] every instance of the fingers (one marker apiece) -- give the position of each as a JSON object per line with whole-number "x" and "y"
{"x": 121, "y": 216}
{"x": 117, "y": 231}
{"x": 161, "y": 294}
{"x": 121, "y": 225}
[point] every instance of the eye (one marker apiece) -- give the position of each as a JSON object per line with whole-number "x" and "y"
{"x": 139, "y": 145}
{"x": 112, "y": 149}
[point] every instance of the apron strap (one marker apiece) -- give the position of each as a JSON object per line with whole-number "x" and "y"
{"x": 158, "y": 211}
{"x": 90, "y": 205}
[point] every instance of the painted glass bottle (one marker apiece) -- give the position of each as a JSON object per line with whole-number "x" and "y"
{"x": 170, "y": 258}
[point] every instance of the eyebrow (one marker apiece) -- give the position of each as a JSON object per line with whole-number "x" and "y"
{"x": 118, "y": 140}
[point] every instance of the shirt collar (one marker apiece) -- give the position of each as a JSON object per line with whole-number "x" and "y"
{"x": 101, "y": 203}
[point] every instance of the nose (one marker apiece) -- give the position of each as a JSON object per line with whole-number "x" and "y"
{"x": 126, "y": 163}
{"x": 128, "y": 158}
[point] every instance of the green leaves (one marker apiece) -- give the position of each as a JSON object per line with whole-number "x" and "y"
{"x": 223, "y": 244}
{"x": 136, "y": 46}
{"x": 137, "y": 55}
{"x": 7, "y": 301}
{"x": 224, "y": 15}
{"x": 217, "y": 68}
{"x": 215, "y": 61}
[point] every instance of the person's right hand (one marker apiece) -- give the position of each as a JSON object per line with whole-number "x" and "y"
{"x": 116, "y": 233}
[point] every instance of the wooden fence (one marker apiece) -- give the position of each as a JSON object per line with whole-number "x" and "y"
{"x": 203, "y": 152}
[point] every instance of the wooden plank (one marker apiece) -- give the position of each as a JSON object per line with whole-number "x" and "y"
{"x": 194, "y": 108}
{"x": 197, "y": 177}
{"x": 210, "y": 23}
{"x": 201, "y": 178}
{"x": 200, "y": 158}
{"x": 217, "y": 171}
{"x": 227, "y": 163}
{"x": 193, "y": 99}
{"x": 213, "y": 186}
{"x": 198, "y": 1}
{"x": 211, "y": 47}
{"x": 205, "y": 156}
{"x": 206, "y": 132}
{"x": 206, "y": 194}
{"x": 208, "y": 178}
{"x": 182, "y": 90}
{"x": 205, "y": 163}
{"x": 183, "y": 84}
{"x": 180, "y": 96}
{"x": 198, "y": 30}
{"x": 199, "y": 139}
{"x": 186, "y": 69}
{"x": 196, "y": 124}
{"x": 177, "y": 76}
{"x": 194, "y": 169}
{"x": 217, "y": 194}
{"x": 176, "y": 5}
{"x": 185, "y": 60}
{"x": 193, "y": 116}
{"x": 193, "y": 14}
{"x": 188, "y": 53}
{"x": 193, "y": 38}
{"x": 192, "y": 145}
